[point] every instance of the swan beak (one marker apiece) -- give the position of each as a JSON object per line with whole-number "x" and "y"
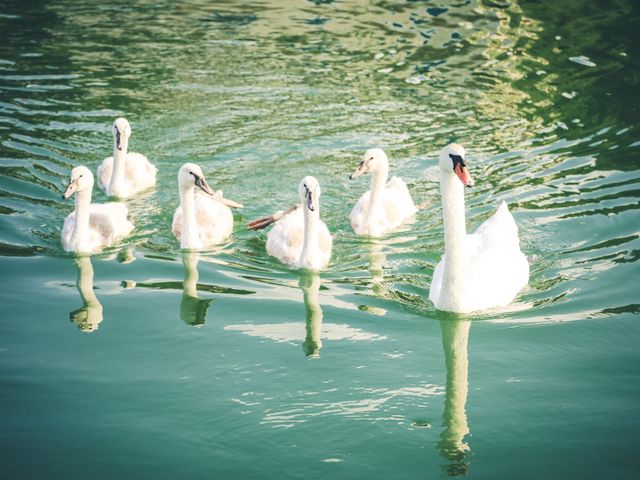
{"x": 118, "y": 140}
{"x": 71, "y": 189}
{"x": 359, "y": 171}
{"x": 310, "y": 201}
{"x": 463, "y": 175}
{"x": 201, "y": 183}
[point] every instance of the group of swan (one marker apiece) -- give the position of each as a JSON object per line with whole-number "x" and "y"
{"x": 477, "y": 271}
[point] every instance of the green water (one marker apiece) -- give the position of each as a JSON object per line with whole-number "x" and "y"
{"x": 228, "y": 365}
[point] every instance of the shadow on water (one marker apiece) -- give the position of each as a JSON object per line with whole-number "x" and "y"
{"x": 89, "y": 316}
{"x": 310, "y": 286}
{"x": 452, "y": 444}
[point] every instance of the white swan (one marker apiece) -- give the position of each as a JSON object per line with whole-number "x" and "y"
{"x": 203, "y": 218}
{"x": 125, "y": 173}
{"x": 480, "y": 270}
{"x": 91, "y": 226}
{"x": 299, "y": 239}
{"x": 387, "y": 205}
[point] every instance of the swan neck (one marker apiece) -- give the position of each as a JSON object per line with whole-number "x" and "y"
{"x": 81, "y": 227}
{"x": 189, "y": 238}
{"x": 310, "y": 246}
{"x": 116, "y": 184}
{"x": 378, "y": 183}
{"x": 455, "y": 230}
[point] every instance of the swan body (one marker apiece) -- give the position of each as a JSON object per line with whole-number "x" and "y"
{"x": 387, "y": 205}
{"x": 91, "y": 227}
{"x": 481, "y": 270}
{"x": 125, "y": 173}
{"x": 299, "y": 238}
{"x": 203, "y": 218}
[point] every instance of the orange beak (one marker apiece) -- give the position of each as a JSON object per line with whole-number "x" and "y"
{"x": 463, "y": 175}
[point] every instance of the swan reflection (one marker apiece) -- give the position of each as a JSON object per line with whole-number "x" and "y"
{"x": 89, "y": 316}
{"x": 193, "y": 309}
{"x": 452, "y": 445}
{"x": 310, "y": 285}
{"x": 377, "y": 260}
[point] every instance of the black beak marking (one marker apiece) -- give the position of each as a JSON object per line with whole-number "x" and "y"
{"x": 457, "y": 160}
{"x": 309, "y": 200}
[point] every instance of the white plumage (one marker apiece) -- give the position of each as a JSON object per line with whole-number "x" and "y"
{"x": 386, "y": 206}
{"x": 133, "y": 172}
{"x": 203, "y": 218}
{"x": 481, "y": 270}
{"x": 299, "y": 238}
{"x": 91, "y": 227}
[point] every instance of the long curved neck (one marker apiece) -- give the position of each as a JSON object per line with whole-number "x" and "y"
{"x": 455, "y": 339}
{"x": 378, "y": 182}
{"x": 455, "y": 230}
{"x": 310, "y": 246}
{"x": 189, "y": 238}
{"x": 81, "y": 228}
{"x": 116, "y": 184}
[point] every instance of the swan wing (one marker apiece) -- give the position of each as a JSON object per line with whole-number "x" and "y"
{"x": 104, "y": 173}
{"x": 358, "y": 214}
{"x": 140, "y": 172}
{"x": 215, "y": 220}
{"x": 286, "y": 238}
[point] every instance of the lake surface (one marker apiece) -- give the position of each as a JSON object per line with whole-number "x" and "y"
{"x": 146, "y": 362}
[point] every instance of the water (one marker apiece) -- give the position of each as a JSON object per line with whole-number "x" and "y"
{"x": 228, "y": 365}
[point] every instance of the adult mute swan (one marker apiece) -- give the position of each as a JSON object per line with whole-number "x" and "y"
{"x": 480, "y": 270}
{"x": 91, "y": 226}
{"x": 202, "y": 219}
{"x": 125, "y": 173}
{"x": 387, "y": 205}
{"x": 299, "y": 238}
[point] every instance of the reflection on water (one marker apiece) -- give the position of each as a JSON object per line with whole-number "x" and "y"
{"x": 193, "y": 309}
{"x": 89, "y": 316}
{"x": 452, "y": 445}
{"x": 310, "y": 285}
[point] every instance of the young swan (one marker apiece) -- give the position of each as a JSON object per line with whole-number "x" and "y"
{"x": 299, "y": 238}
{"x": 91, "y": 227}
{"x": 125, "y": 173}
{"x": 481, "y": 270}
{"x": 387, "y": 205}
{"x": 202, "y": 219}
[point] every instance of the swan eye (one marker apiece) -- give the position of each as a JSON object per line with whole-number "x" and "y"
{"x": 457, "y": 159}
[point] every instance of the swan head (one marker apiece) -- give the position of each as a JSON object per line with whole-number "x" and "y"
{"x": 309, "y": 191}
{"x": 374, "y": 159}
{"x": 81, "y": 179}
{"x": 453, "y": 162}
{"x": 190, "y": 175}
{"x": 121, "y": 131}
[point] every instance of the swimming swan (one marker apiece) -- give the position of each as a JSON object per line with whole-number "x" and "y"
{"x": 299, "y": 238}
{"x": 202, "y": 219}
{"x": 91, "y": 226}
{"x": 387, "y": 205}
{"x": 125, "y": 173}
{"x": 480, "y": 270}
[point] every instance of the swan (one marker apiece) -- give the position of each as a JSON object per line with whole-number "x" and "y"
{"x": 91, "y": 226}
{"x": 125, "y": 173}
{"x": 201, "y": 220}
{"x": 387, "y": 205}
{"x": 481, "y": 270}
{"x": 299, "y": 238}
